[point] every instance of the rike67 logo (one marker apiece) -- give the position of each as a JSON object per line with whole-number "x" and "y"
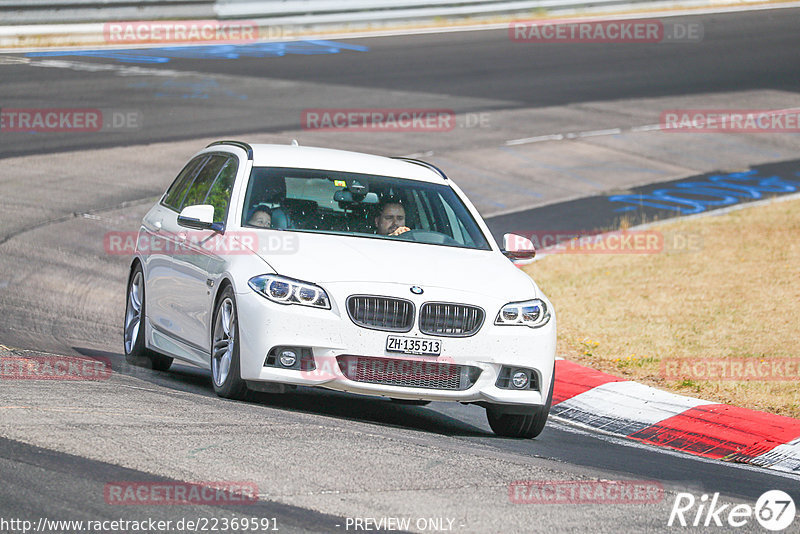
{"x": 774, "y": 510}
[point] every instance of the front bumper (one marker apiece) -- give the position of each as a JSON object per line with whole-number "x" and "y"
{"x": 331, "y": 334}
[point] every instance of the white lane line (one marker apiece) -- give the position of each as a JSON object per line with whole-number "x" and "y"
{"x": 595, "y": 133}
{"x": 537, "y": 139}
{"x": 647, "y": 128}
{"x": 120, "y": 70}
{"x": 561, "y": 137}
{"x": 12, "y": 60}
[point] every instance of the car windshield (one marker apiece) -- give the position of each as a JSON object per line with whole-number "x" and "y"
{"x": 359, "y": 205}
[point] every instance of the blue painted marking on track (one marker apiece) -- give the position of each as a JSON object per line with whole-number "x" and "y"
{"x": 687, "y": 198}
{"x": 220, "y": 51}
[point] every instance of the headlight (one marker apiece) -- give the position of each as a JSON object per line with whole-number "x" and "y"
{"x": 289, "y": 291}
{"x": 531, "y": 313}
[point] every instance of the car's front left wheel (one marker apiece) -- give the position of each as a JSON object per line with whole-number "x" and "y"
{"x": 136, "y": 353}
{"x": 225, "y": 369}
{"x": 525, "y": 425}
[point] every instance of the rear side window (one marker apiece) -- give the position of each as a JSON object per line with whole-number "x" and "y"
{"x": 203, "y": 181}
{"x": 176, "y": 192}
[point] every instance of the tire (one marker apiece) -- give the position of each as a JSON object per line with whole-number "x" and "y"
{"x": 225, "y": 369}
{"x": 527, "y": 425}
{"x": 136, "y": 353}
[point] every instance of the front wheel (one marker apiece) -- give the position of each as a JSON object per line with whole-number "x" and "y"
{"x": 225, "y": 370}
{"x": 133, "y": 328}
{"x": 528, "y": 425}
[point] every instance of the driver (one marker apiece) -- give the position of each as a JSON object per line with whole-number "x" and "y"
{"x": 391, "y": 219}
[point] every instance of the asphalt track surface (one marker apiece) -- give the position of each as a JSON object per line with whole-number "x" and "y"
{"x": 472, "y": 71}
{"x": 62, "y": 442}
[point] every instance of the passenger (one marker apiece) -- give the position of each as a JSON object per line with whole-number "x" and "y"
{"x": 391, "y": 219}
{"x": 261, "y": 218}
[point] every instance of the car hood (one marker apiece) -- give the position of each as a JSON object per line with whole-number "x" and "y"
{"x": 322, "y": 258}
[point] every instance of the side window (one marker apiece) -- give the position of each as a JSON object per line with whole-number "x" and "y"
{"x": 176, "y": 192}
{"x": 220, "y": 193}
{"x": 202, "y": 183}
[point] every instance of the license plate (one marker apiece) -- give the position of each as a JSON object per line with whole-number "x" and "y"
{"x": 413, "y": 345}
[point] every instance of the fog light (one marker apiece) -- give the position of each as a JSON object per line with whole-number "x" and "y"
{"x": 520, "y": 379}
{"x": 288, "y": 358}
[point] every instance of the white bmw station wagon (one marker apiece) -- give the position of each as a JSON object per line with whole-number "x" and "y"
{"x": 282, "y": 266}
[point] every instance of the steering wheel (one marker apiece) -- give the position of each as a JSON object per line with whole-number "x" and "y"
{"x": 428, "y": 236}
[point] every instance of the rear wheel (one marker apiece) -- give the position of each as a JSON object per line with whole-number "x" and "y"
{"x": 225, "y": 369}
{"x": 136, "y": 353}
{"x": 528, "y": 425}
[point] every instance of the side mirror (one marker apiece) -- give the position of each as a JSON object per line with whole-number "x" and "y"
{"x": 518, "y": 249}
{"x": 199, "y": 217}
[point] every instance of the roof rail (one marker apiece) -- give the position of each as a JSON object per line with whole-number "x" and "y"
{"x": 425, "y": 164}
{"x": 244, "y": 146}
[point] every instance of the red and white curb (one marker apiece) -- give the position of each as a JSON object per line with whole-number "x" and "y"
{"x": 720, "y": 431}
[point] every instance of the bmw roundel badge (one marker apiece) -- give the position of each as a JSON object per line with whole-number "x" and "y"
{"x": 416, "y": 290}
